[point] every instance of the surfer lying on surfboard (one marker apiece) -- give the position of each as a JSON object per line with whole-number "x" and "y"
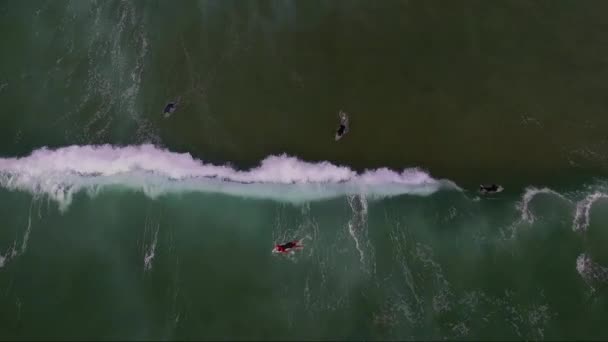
{"x": 171, "y": 107}
{"x": 490, "y": 189}
{"x": 343, "y": 127}
{"x": 287, "y": 247}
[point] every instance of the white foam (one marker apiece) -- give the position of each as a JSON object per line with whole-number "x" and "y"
{"x": 583, "y": 208}
{"x": 64, "y": 171}
{"x": 582, "y": 263}
{"x": 531, "y": 192}
{"x": 11, "y": 253}
{"x": 593, "y": 273}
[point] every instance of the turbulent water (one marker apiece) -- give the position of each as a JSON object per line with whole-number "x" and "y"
{"x": 120, "y": 221}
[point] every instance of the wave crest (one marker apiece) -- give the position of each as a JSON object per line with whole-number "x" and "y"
{"x": 61, "y": 172}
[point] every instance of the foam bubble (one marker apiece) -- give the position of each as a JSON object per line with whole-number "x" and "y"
{"x": 61, "y": 172}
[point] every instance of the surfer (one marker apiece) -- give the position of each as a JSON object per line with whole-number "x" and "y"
{"x": 287, "y": 247}
{"x": 343, "y": 127}
{"x": 171, "y": 107}
{"x": 490, "y": 189}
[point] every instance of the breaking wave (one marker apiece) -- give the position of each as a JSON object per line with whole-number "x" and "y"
{"x": 59, "y": 173}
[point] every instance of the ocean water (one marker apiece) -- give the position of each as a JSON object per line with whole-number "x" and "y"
{"x": 121, "y": 222}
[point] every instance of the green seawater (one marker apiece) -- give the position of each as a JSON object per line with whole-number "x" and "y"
{"x": 198, "y": 266}
{"x": 511, "y": 92}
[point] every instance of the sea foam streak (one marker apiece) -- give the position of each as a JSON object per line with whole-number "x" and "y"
{"x": 64, "y": 171}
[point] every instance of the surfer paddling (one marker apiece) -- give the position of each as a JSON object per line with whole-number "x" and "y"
{"x": 171, "y": 107}
{"x": 343, "y": 127}
{"x": 287, "y": 247}
{"x": 490, "y": 189}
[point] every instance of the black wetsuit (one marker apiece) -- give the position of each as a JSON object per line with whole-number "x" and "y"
{"x": 289, "y": 245}
{"x": 169, "y": 108}
{"x": 341, "y": 129}
{"x": 491, "y": 188}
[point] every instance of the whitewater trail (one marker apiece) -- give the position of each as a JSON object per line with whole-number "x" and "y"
{"x": 64, "y": 171}
{"x": 592, "y": 273}
{"x": 151, "y": 251}
{"x": 526, "y": 215}
{"x": 409, "y": 304}
{"x": 583, "y": 211}
{"x": 13, "y": 252}
{"x": 358, "y": 230}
